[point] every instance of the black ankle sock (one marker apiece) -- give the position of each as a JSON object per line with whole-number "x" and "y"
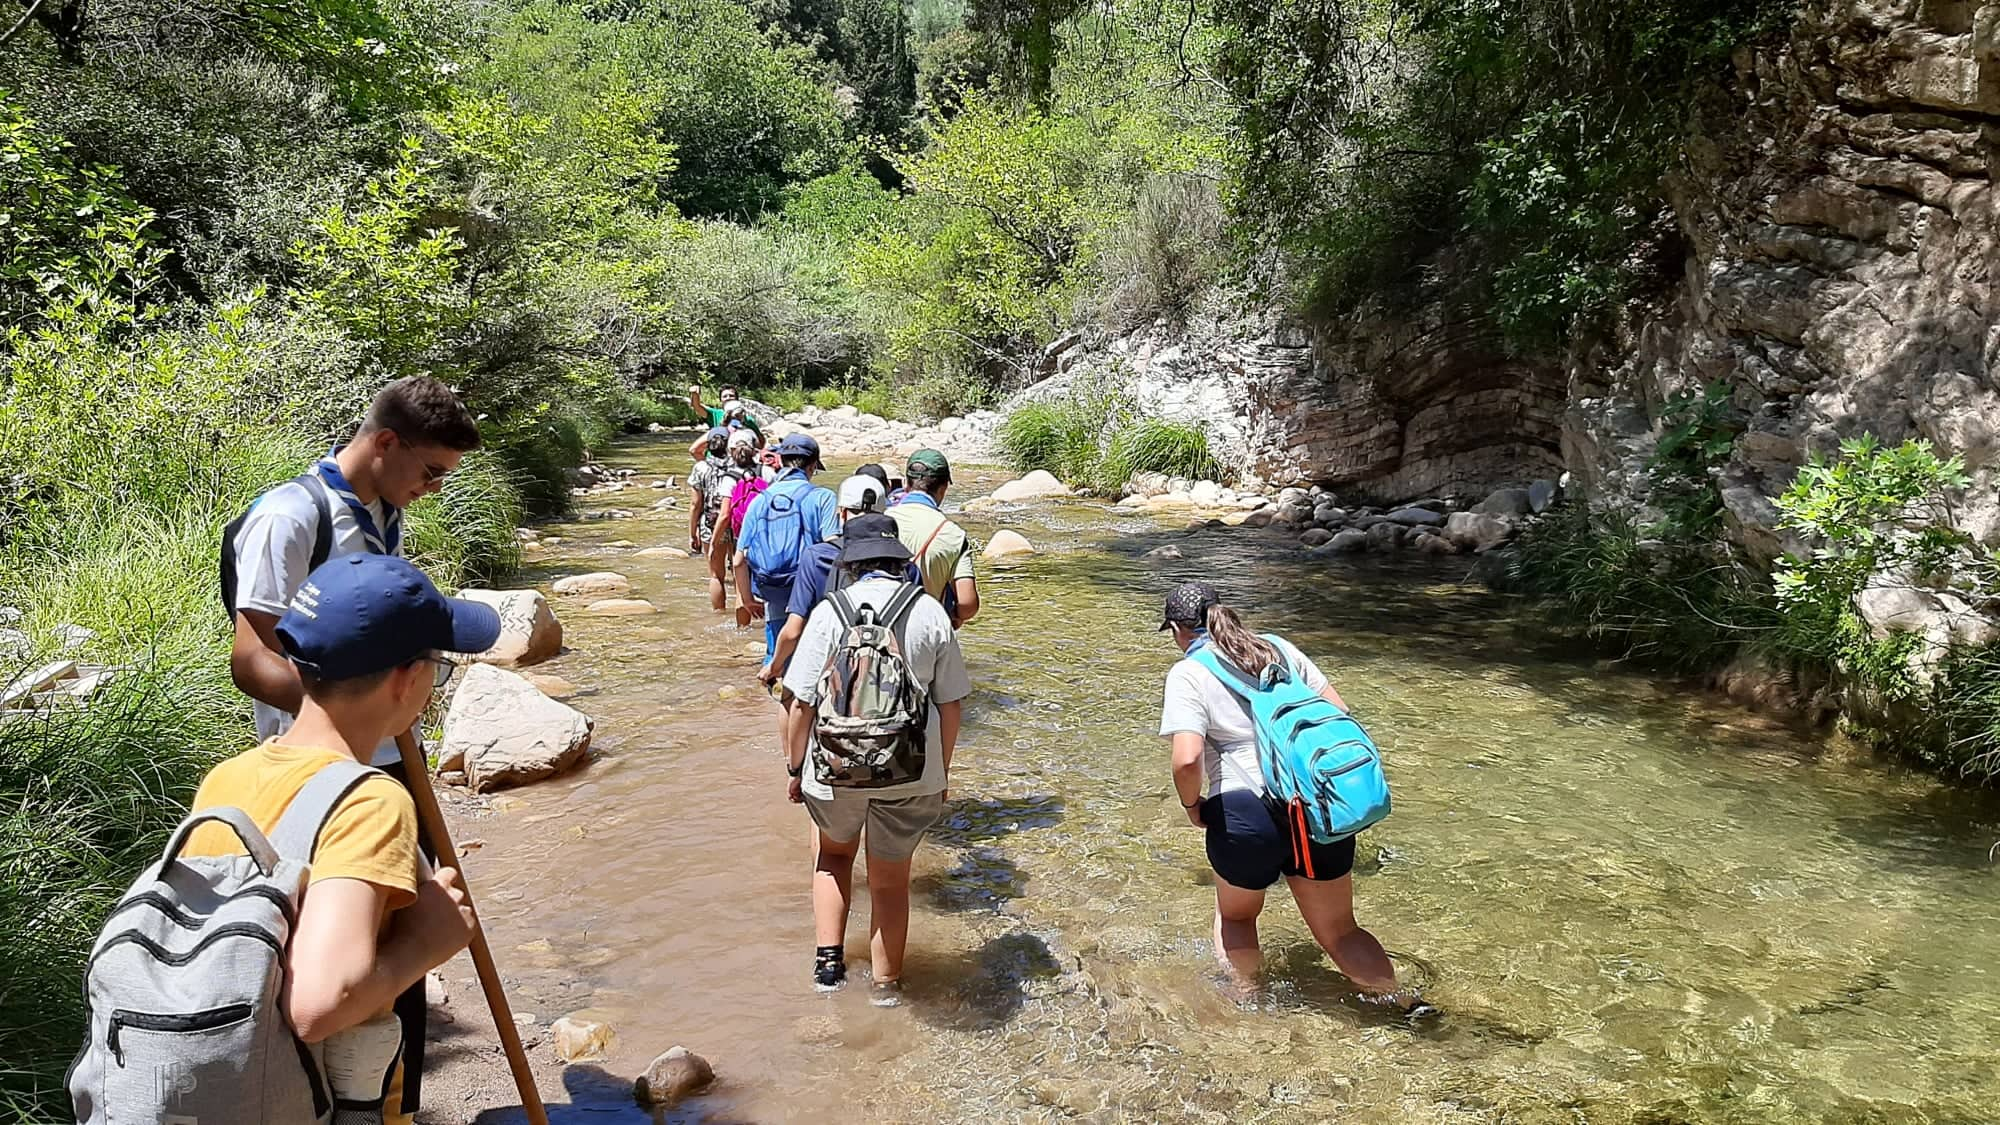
{"x": 830, "y": 952}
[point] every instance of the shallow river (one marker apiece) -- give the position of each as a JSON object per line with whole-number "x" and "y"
{"x": 1633, "y": 903}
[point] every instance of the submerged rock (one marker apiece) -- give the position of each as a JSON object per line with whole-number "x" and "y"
{"x": 1316, "y": 537}
{"x": 673, "y": 1076}
{"x": 1167, "y": 552}
{"x": 1007, "y": 545}
{"x": 620, "y": 607}
{"x": 508, "y": 733}
{"x": 664, "y": 553}
{"x": 1347, "y": 542}
{"x": 596, "y": 582}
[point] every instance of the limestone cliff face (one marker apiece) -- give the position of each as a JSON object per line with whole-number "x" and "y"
{"x": 1841, "y": 270}
{"x": 1381, "y": 409}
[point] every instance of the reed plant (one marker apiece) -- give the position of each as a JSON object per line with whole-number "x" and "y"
{"x": 1099, "y": 440}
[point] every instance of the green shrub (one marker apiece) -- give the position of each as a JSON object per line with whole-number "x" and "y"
{"x": 1152, "y": 446}
{"x": 1681, "y": 605}
{"x": 1161, "y": 263}
{"x": 940, "y": 394}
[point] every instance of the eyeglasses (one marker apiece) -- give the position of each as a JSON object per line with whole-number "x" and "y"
{"x": 444, "y": 670}
{"x": 432, "y": 473}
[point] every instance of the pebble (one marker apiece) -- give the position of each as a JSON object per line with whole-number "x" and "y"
{"x": 577, "y": 1038}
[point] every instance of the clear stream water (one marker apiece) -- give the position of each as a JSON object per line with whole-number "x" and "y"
{"x": 1634, "y": 902}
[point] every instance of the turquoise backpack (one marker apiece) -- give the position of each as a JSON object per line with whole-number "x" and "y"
{"x": 1317, "y": 761}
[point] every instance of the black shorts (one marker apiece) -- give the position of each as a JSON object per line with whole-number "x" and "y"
{"x": 1248, "y": 846}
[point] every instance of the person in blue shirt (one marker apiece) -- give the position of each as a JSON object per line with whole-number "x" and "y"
{"x": 785, "y": 519}
{"x": 818, "y": 574}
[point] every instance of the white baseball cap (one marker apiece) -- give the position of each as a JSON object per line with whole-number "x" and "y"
{"x": 743, "y": 437}
{"x": 734, "y": 406}
{"x": 861, "y": 494}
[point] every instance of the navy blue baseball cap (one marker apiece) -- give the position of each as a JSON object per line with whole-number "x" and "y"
{"x": 800, "y": 445}
{"x": 363, "y": 613}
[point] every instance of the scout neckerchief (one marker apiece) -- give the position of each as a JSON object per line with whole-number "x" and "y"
{"x": 378, "y": 542}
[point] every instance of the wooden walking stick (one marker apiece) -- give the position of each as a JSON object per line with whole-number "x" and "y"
{"x": 432, "y": 819}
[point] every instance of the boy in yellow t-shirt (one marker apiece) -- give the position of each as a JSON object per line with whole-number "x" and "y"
{"x": 366, "y": 633}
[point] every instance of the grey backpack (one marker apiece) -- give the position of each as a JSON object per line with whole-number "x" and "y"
{"x": 869, "y": 731}
{"x": 185, "y": 1023}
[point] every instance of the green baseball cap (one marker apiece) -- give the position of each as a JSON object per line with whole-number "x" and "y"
{"x": 929, "y": 463}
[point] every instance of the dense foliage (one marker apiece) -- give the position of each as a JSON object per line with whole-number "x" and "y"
{"x": 1521, "y": 143}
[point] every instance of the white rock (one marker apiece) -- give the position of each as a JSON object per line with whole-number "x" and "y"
{"x": 1206, "y": 493}
{"x": 1007, "y": 545}
{"x": 950, "y": 425}
{"x": 1167, "y": 552}
{"x": 529, "y": 631}
{"x": 508, "y": 733}
{"x": 576, "y": 1038}
{"x": 596, "y": 582}
{"x": 1034, "y": 486}
{"x": 73, "y": 636}
{"x": 664, "y": 553}
{"x": 844, "y": 413}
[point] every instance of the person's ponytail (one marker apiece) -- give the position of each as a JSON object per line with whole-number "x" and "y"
{"x": 1241, "y": 647}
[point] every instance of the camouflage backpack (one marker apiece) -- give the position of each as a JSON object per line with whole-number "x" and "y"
{"x": 869, "y": 733}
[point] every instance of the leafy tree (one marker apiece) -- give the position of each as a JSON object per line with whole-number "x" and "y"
{"x": 1031, "y": 32}
{"x": 68, "y": 232}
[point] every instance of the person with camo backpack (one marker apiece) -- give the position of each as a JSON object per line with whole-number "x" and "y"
{"x": 879, "y": 683}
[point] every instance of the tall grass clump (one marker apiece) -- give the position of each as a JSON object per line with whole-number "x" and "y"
{"x": 1099, "y": 440}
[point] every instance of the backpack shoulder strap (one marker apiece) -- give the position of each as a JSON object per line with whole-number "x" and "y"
{"x": 898, "y": 606}
{"x": 322, "y": 520}
{"x": 297, "y": 833}
{"x": 843, "y": 608}
{"x": 925, "y": 549}
{"x": 1232, "y": 679}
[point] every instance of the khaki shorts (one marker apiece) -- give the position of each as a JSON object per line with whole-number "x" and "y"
{"x": 895, "y": 828}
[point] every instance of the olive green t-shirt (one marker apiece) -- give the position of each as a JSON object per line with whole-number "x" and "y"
{"x": 942, "y": 549}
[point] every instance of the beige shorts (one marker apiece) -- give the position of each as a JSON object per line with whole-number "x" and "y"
{"x": 895, "y": 828}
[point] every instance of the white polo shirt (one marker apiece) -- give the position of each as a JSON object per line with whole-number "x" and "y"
{"x": 273, "y": 557}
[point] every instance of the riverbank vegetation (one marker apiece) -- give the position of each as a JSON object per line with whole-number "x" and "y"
{"x": 1877, "y": 609}
{"x": 1099, "y": 439}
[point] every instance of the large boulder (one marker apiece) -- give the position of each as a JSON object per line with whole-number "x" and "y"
{"x": 507, "y": 733}
{"x": 1477, "y": 531}
{"x": 1316, "y": 537}
{"x": 1146, "y": 483}
{"x": 1434, "y": 545}
{"x": 529, "y": 631}
{"x": 1262, "y": 517}
{"x": 1505, "y": 502}
{"x": 1206, "y": 493}
{"x": 1329, "y": 515}
{"x": 1035, "y": 486}
{"x": 1007, "y": 545}
{"x": 600, "y": 583}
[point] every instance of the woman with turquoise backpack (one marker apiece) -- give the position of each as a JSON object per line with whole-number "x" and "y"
{"x": 1291, "y": 778}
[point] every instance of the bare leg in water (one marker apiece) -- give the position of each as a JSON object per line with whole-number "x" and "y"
{"x": 832, "y": 888}
{"x": 1328, "y": 908}
{"x": 1236, "y": 911}
{"x": 888, "y": 915}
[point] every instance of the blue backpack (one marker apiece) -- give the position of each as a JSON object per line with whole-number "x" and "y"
{"x": 1318, "y": 763}
{"x": 782, "y": 535}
